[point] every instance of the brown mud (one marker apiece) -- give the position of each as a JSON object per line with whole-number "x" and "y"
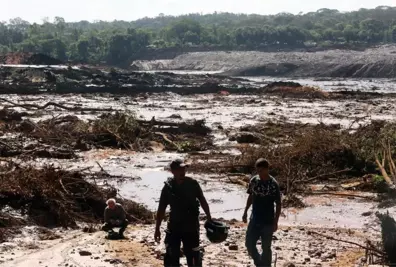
{"x": 322, "y": 146}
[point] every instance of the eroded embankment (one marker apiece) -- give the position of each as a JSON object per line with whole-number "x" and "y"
{"x": 374, "y": 63}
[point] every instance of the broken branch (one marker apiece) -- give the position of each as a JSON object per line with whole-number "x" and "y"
{"x": 348, "y": 242}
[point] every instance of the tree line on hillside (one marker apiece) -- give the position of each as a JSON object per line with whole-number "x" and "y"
{"x": 119, "y": 42}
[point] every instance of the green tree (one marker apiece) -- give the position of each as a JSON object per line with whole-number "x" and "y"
{"x": 120, "y": 49}
{"x": 191, "y": 37}
{"x": 393, "y": 33}
{"x": 372, "y": 30}
{"x": 83, "y": 50}
{"x": 119, "y": 42}
{"x": 4, "y": 49}
{"x": 350, "y": 33}
{"x": 179, "y": 29}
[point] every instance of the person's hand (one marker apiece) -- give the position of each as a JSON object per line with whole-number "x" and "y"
{"x": 157, "y": 235}
{"x": 275, "y": 227}
{"x": 244, "y": 217}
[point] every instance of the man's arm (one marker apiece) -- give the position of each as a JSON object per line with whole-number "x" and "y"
{"x": 248, "y": 203}
{"x": 203, "y": 202}
{"x": 278, "y": 211}
{"x": 123, "y": 214}
{"x": 106, "y": 216}
{"x": 163, "y": 203}
{"x": 278, "y": 202}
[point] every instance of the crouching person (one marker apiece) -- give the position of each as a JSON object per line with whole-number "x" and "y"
{"x": 114, "y": 216}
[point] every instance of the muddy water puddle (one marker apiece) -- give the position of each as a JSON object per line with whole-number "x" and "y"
{"x": 226, "y": 201}
{"x": 146, "y": 174}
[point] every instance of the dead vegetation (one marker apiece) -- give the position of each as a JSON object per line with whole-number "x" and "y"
{"x": 61, "y": 137}
{"x": 50, "y": 196}
{"x": 301, "y": 154}
{"x": 54, "y": 197}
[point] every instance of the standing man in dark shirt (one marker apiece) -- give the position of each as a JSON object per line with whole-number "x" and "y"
{"x": 263, "y": 194}
{"x": 184, "y": 195}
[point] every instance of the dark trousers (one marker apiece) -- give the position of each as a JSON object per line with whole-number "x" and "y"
{"x": 109, "y": 226}
{"x": 253, "y": 234}
{"x": 191, "y": 248}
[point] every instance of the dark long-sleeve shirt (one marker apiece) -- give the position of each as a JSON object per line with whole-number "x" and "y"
{"x": 118, "y": 213}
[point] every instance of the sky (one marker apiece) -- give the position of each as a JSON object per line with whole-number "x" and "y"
{"x": 76, "y": 10}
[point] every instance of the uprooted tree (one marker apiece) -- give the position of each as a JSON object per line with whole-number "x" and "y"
{"x": 386, "y": 164}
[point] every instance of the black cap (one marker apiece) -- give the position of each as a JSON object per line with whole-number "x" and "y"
{"x": 262, "y": 163}
{"x": 177, "y": 163}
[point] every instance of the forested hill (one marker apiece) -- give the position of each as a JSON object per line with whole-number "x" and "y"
{"x": 119, "y": 42}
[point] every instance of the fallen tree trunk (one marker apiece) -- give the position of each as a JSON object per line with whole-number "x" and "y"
{"x": 378, "y": 252}
{"x": 387, "y": 158}
{"x": 49, "y": 104}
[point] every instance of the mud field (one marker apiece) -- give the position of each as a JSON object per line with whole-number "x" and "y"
{"x": 96, "y": 144}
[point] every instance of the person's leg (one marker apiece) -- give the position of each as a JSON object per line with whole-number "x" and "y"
{"x": 172, "y": 245}
{"x": 192, "y": 249}
{"x": 252, "y": 236}
{"x": 123, "y": 226}
{"x": 107, "y": 227}
{"x": 266, "y": 242}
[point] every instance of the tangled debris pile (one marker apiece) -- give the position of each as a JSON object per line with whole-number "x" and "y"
{"x": 56, "y": 197}
{"x": 302, "y": 153}
{"x": 60, "y": 137}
